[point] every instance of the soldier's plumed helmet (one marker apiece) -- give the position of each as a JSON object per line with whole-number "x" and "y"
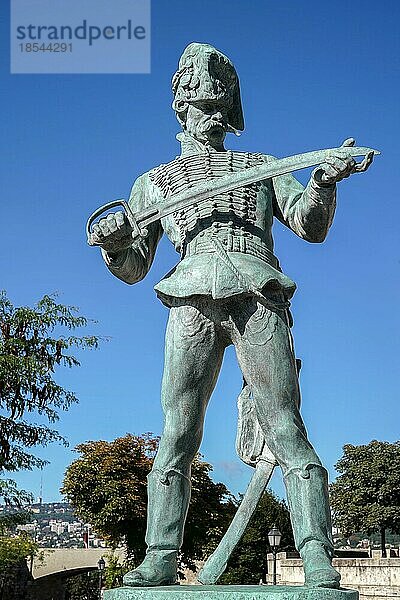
{"x": 205, "y": 74}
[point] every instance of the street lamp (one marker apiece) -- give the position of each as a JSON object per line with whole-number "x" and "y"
{"x": 101, "y": 565}
{"x": 274, "y": 539}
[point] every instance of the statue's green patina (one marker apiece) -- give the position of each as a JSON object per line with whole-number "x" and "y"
{"x": 228, "y": 592}
{"x": 228, "y": 288}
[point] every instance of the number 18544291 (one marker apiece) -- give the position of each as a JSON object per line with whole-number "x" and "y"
{"x": 50, "y": 47}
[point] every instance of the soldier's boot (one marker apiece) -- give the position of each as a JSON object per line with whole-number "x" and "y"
{"x": 307, "y": 492}
{"x": 168, "y": 501}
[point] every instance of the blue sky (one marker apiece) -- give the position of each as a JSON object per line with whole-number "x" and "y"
{"x": 312, "y": 74}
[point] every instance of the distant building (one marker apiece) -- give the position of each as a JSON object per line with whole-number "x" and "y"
{"x": 56, "y": 526}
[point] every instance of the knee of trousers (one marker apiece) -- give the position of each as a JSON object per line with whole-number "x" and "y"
{"x": 291, "y": 447}
{"x": 279, "y": 419}
{"x": 179, "y": 443}
{"x": 173, "y": 459}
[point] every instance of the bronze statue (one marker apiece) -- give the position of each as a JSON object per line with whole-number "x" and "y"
{"x": 217, "y": 208}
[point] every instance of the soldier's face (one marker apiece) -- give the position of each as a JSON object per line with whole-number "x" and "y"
{"x": 207, "y": 122}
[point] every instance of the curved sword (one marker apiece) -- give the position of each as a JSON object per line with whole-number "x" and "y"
{"x": 218, "y": 185}
{"x": 218, "y": 560}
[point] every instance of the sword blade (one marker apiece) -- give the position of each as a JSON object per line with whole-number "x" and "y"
{"x": 216, "y": 563}
{"x": 227, "y": 183}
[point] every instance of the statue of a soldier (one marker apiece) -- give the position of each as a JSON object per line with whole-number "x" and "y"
{"x": 227, "y": 289}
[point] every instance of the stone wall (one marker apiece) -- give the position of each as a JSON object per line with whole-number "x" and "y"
{"x": 377, "y": 578}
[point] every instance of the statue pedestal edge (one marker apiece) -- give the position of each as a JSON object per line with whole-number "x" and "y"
{"x": 229, "y": 592}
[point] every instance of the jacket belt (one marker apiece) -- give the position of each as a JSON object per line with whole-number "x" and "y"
{"x": 232, "y": 243}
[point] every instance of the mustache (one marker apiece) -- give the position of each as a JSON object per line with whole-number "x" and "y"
{"x": 211, "y": 123}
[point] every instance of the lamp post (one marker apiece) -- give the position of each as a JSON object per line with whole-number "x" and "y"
{"x": 274, "y": 539}
{"x": 101, "y": 565}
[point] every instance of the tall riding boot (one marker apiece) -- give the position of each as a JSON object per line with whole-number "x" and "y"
{"x": 168, "y": 502}
{"x": 307, "y": 492}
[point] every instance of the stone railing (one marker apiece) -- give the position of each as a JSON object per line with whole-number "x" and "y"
{"x": 377, "y": 578}
{"x": 62, "y": 559}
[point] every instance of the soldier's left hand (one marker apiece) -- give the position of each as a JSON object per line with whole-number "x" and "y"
{"x": 340, "y": 164}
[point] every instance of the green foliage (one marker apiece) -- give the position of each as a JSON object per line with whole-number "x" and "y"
{"x": 211, "y": 510}
{"x": 366, "y": 495}
{"x": 11, "y": 495}
{"x": 14, "y": 499}
{"x": 14, "y": 573}
{"x": 14, "y": 549}
{"x": 107, "y": 487}
{"x": 32, "y": 346}
{"x": 30, "y": 352}
{"x": 9, "y": 522}
{"x": 115, "y": 570}
{"x": 83, "y": 587}
{"x": 248, "y": 563}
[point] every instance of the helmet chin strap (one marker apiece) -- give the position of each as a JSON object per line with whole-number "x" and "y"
{"x": 231, "y": 129}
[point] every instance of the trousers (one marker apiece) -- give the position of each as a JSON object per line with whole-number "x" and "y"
{"x": 198, "y": 331}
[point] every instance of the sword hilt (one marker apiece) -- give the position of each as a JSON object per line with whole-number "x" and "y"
{"x": 136, "y": 231}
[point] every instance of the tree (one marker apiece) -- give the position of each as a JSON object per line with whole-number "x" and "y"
{"x": 248, "y": 563}
{"x": 14, "y": 499}
{"x": 366, "y": 495}
{"x": 14, "y": 549}
{"x": 13, "y": 554}
{"x": 31, "y": 348}
{"x": 211, "y": 510}
{"x": 107, "y": 488}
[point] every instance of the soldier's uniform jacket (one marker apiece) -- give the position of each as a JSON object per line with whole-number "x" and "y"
{"x": 225, "y": 243}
